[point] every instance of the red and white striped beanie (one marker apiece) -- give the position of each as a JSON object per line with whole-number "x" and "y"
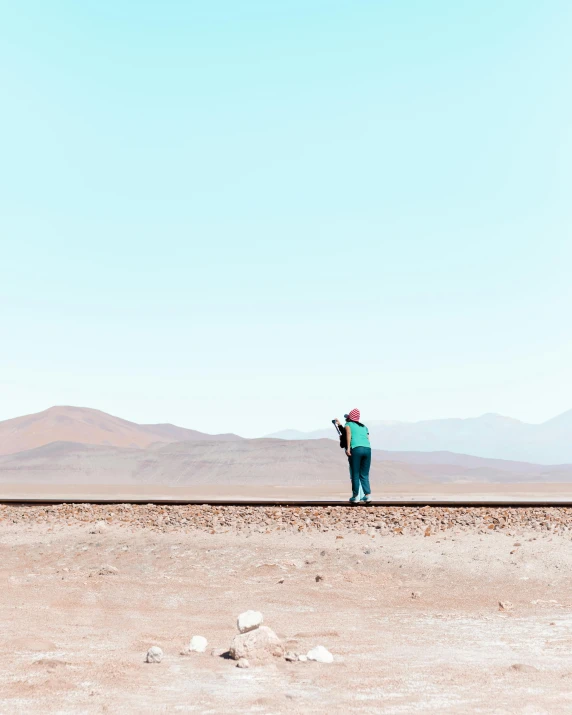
{"x": 354, "y": 415}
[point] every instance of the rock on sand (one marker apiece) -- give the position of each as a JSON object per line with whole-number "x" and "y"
{"x": 320, "y": 655}
{"x": 523, "y": 668}
{"x": 249, "y": 620}
{"x": 256, "y": 646}
{"x": 107, "y": 570}
{"x": 154, "y": 655}
{"x": 99, "y": 527}
{"x": 198, "y": 644}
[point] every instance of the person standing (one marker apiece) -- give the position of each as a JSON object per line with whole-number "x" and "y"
{"x": 358, "y": 450}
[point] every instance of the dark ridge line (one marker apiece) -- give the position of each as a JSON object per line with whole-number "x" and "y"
{"x": 519, "y": 504}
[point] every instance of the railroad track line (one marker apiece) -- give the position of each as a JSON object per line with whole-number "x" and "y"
{"x": 465, "y": 503}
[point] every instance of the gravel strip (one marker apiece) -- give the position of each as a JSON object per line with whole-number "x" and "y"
{"x": 426, "y": 520}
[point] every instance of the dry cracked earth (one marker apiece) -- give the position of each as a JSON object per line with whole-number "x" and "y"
{"x": 407, "y": 601}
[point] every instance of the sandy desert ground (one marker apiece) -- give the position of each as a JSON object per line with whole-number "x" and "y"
{"x": 75, "y": 633}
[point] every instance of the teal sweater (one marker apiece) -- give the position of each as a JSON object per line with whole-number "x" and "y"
{"x": 360, "y": 435}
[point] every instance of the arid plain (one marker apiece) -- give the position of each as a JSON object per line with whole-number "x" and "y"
{"x": 413, "y": 621}
{"x": 424, "y": 609}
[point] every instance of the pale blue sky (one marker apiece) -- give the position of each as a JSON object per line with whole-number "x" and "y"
{"x": 250, "y": 216}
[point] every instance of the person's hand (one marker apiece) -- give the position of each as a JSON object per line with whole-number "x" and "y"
{"x": 349, "y": 452}
{"x": 337, "y": 421}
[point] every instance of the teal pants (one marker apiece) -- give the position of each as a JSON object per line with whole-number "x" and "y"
{"x": 360, "y": 462}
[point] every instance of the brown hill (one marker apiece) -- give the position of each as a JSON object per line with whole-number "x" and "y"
{"x": 88, "y": 426}
{"x": 259, "y": 462}
{"x": 267, "y": 462}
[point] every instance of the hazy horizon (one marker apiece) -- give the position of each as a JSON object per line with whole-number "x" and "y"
{"x": 258, "y": 216}
{"x": 489, "y": 435}
{"x": 325, "y": 423}
{"x": 83, "y": 447}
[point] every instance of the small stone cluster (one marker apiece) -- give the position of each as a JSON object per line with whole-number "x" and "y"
{"x": 254, "y": 644}
{"x": 374, "y": 520}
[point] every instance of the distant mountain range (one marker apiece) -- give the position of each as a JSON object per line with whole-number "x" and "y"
{"x": 81, "y": 446}
{"x": 88, "y": 426}
{"x": 491, "y": 435}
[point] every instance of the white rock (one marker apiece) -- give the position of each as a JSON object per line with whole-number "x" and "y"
{"x": 291, "y": 656}
{"x": 256, "y": 646}
{"x": 505, "y": 606}
{"x": 198, "y": 644}
{"x": 243, "y": 663}
{"x": 154, "y": 654}
{"x": 320, "y": 655}
{"x": 249, "y": 620}
{"x": 302, "y": 658}
{"x": 99, "y": 527}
